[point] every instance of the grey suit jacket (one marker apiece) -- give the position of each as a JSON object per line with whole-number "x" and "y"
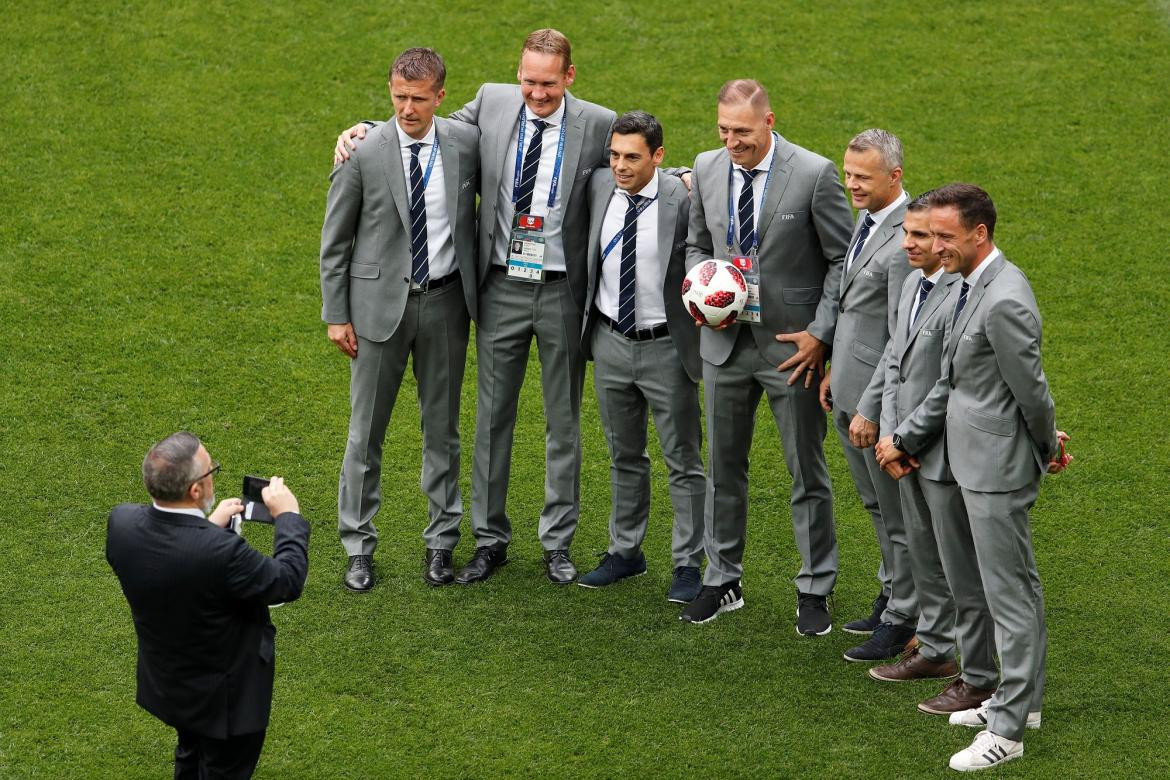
{"x": 673, "y": 211}
{"x": 912, "y": 364}
{"x": 365, "y": 240}
{"x": 496, "y": 110}
{"x": 867, "y": 314}
{"x": 803, "y": 230}
{"x": 992, "y": 395}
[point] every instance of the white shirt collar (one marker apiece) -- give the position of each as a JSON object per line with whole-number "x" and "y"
{"x": 181, "y": 510}
{"x": 649, "y": 191}
{"x": 974, "y": 276}
{"x": 879, "y": 216}
{"x": 406, "y": 140}
{"x": 554, "y": 119}
{"x": 766, "y": 163}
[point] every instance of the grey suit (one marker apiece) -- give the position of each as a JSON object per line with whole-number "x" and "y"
{"x": 868, "y": 310}
{"x": 803, "y": 229}
{"x": 513, "y": 312}
{"x": 952, "y": 604}
{"x": 992, "y": 401}
{"x": 365, "y": 280}
{"x": 661, "y": 373}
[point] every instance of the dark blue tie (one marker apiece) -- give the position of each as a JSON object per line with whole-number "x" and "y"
{"x": 627, "y": 272}
{"x": 962, "y": 301}
{"x": 419, "y": 267}
{"x": 866, "y": 224}
{"x": 924, "y": 288}
{"x": 523, "y": 194}
{"x": 747, "y": 219}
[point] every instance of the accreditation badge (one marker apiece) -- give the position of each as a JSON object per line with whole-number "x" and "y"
{"x": 751, "y": 275}
{"x": 526, "y": 248}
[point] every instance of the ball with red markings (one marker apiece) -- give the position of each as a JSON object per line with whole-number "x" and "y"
{"x": 714, "y": 292}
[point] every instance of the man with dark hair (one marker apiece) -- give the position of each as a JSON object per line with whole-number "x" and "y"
{"x": 992, "y": 401}
{"x": 952, "y": 607}
{"x": 875, "y": 265}
{"x": 398, "y": 280}
{"x": 645, "y": 351}
{"x": 538, "y": 144}
{"x": 792, "y": 254}
{"x": 199, "y": 595}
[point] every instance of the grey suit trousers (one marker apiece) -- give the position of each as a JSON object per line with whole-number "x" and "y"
{"x": 1002, "y": 534}
{"x": 733, "y": 391}
{"x": 434, "y": 329}
{"x": 629, "y": 377}
{"x": 880, "y": 496}
{"x": 936, "y": 619}
{"x": 511, "y": 313}
{"x": 955, "y": 552}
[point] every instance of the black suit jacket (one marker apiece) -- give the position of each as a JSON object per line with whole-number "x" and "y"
{"x": 199, "y": 595}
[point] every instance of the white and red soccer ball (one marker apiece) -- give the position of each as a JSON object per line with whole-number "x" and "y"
{"x": 714, "y": 292}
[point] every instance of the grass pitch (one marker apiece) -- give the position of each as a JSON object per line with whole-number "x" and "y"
{"x": 164, "y": 179}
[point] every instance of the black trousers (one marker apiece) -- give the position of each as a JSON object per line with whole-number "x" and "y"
{"x": 204, "y": 758}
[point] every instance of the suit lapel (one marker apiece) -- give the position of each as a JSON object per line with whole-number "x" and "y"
{"x": 507, "y": 128}
{"x": 974, "y": 295}
{"x": 905, "y": 310}
{"x": 719, "y": 196}
{"x": 598, "y": 208}
{"x": 574, "y": 139}
{"x": 781, "y": 174}
{"x": 933, "y": 300}
{"x": 392, "y": 164}
{"x": 451, "y": 169}
{"x": 667, "y": 213}
{"x": 875, "y": 242}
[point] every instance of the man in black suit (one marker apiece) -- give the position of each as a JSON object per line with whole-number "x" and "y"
{"x": 199, "y": 595}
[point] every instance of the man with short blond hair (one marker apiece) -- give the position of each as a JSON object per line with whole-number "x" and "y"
{"x": 398, "y": 286}
{"x": 778, "y": 212}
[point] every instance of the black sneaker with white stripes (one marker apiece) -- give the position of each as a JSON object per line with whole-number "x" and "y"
{"x": 712, "y": 601}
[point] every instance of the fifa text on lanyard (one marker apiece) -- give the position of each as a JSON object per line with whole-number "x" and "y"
{"x": 526, "y": 244}
{"x": 747, "y": 263}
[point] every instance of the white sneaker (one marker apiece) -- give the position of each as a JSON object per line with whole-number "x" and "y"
{"x": 977, "y": 718}
{"x": 986, "y": 751}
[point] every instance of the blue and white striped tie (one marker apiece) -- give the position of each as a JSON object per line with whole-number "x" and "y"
{"x": 419, "y": 266}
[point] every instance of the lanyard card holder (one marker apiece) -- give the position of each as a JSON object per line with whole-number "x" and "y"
{"x": 747, "y": 265}
{"x": 526, "y": 249}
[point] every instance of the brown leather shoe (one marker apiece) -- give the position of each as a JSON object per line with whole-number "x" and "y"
{"x": 913, "y": 665}
{"x": 956, "y": 697}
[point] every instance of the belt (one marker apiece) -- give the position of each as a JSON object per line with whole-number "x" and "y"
{"x": 549, "y": 276}
{"x": 433, "y": 284}
{"x": 645, "y": 334}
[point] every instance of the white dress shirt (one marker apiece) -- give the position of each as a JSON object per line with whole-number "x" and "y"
{"x": 758, "y": 184}
{"x": 440, "y": 244}
{"x": 933, "y": 279}
{"x": 554, "y": 256}
{"x": 649, "y": 268}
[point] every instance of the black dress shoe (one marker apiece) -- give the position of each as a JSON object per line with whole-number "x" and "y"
{"x": 483, "y": 562}
{"x": 437, "y": 568}
{"x": 360, "y": 574}
{"x": 561, "y": 570}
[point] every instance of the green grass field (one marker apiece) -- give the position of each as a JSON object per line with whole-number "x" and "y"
{"x": 164, "y": 176}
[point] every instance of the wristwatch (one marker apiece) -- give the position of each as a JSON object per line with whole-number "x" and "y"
{"x": 896, "y": 440}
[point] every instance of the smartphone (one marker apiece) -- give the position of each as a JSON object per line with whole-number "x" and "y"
{"x": 252, "y": 488}
{"x": 254, "y": 508}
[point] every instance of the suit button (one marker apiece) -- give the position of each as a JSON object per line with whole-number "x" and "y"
{"x": 406, "y": 278}
{"x": 902, "y": 379}
{"x": 841, "y": 309}
{"x": 952, "y": 385}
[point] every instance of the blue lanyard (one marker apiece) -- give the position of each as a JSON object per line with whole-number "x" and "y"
{"x": 617, "y": 236}
{"x": 763, "y": 201}
{"x": 556, "y": 176}
{"x": 431, "y": 163}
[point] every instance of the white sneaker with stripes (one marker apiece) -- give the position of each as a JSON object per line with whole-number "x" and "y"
{"x": 986, "y": 751}
{"x": 977, "y": 718}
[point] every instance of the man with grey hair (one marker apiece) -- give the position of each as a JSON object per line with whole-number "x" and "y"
{"x": 875, "y": 266}
{"x": 199, "y": 595}
{"x": 791, "y": 255}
